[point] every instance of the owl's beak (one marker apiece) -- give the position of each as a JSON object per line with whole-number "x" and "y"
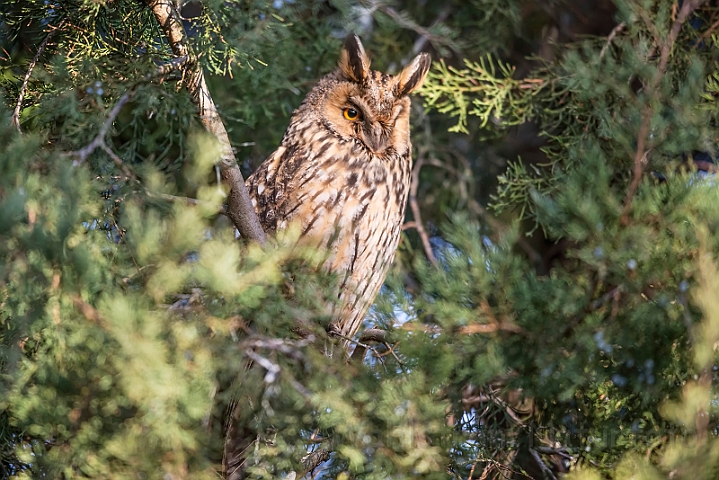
{"x": 374, "y": 138}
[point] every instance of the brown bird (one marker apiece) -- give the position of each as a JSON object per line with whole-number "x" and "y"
{"x": 342, "y": 171}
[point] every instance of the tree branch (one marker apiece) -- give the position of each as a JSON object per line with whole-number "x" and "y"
{"x": 240, "y": 208}
{"x": 99, "y": 140}
{"x": 640, "y": 156}
{"x": 15, "y": 119}
{"x": 415, "y": 212}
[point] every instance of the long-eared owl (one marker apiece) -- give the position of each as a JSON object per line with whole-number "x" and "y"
{"x": 343, "y": 172}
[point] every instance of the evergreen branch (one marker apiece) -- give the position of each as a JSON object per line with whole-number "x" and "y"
{"x": 221, "y": 209}
{"x": 314, "y": 459}
{"x": 472, "y": 329}
{"x": 15, "y": 119}
{"x": 615, "y": 31}
{"x": 405, "y": 21}
{"x": 414, "y": 185}
{"x": 493, "y": 222}
{"x": 99, "y": 140}
{"x": 360, "y": 349}
{"x": 239, "y": 206}
{"x": 88, "y": 311}
{"x": 484, "y": 92}
{"x": 423, "y": 39}
{"x": 706, "y": 34}
{"x": 374, "y": 335}
{"x": 641, "y": 154}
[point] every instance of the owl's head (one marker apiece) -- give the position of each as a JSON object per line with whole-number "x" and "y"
{"x": 367, "y": 106}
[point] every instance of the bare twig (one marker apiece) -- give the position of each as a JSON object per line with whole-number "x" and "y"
{"x": 360, "y": 347}
{"x": 240, "y": 209}
{"x": 370, "y": 335}
{"x": 546, "y": 471}
{"x": 99, "y": 140}
{"x": 411, "y": 25}
{"x": 615, "y": 31}
{"x": 273, "y": 372}
{"x": 706, "y": 34}
{"x": 640, "y": 156}
{"x": 414, "y": 185}
{"x": 498, "y": 226}
{"x": 15, "y": 119}
{"x": 423, "y": 39}
{"x": 495, "y": 224}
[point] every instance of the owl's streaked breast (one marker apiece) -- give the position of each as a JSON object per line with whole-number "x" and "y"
{"x": 352, "y": 207}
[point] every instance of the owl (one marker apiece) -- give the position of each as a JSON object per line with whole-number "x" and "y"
{"x": 342, "y": 174}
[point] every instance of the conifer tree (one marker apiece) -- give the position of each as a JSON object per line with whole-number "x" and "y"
{"x": 553, "y": 308}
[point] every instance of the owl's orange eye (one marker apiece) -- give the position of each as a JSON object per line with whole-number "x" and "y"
{"x": 350, "y": 114}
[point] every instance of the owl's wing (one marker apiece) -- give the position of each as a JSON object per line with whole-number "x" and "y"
{"x": 270, "y": 185}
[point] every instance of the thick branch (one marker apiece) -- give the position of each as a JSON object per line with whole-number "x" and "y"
{"x": 640, "y": 156}
{"x": 240, "y": 209}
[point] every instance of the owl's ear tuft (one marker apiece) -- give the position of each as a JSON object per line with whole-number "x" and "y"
{"x": 412, "y": 76}
{"x": 354, "y": 62}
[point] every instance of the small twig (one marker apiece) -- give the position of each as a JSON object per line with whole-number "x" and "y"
{"x": 273, "y": 370}
{"x": 409, "y": 225}
{"x": 82, "y": 154}
{"x": 611, "y": 294}
{"x": 414, "y": 185}
{"x": 15, "y": 119}
{"x": 640, "y": 156}
{"x": 88, "y": 311}
{"x": 285, "y": 346}
{"x": 360, "y": 347}
{"x": 100, "y": 139}
{"x": 221, "y": 209}
{"x": 423, "y": 39}
{"x": 411, "y": 25}
{"x": 615, "y": 31}
{"x": 239, "y": 205}
{"x": 467, "y": 329}
{"x": 314, "y": 459}
{"x": 706, "y": 34}
{"x": 498, "y": 226}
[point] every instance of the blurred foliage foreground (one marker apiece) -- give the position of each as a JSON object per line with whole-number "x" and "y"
{"x": 130, "y": 319}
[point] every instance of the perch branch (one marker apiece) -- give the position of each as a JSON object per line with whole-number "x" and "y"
{"x": 641, "y": 154}
{"x": 15, "y": 119}
{"x": 239, "y": 205}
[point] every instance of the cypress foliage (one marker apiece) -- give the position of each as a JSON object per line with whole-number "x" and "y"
{"x": 554, "y": 309}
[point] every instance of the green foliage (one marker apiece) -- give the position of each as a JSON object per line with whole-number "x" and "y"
{"x": 130, "y": 320}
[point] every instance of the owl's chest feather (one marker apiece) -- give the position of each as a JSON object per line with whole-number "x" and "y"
{"x": 350, "y": 205}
